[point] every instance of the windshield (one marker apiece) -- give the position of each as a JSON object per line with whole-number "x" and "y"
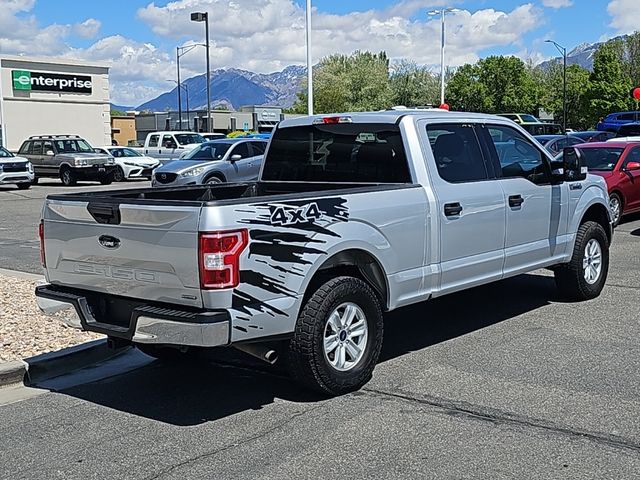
{"x": 543, "y": 141}
{"x": 529, "y": 119}
{"x": 73, "y": 146}
{"x": 209, "y": 151}
{"x": 188, "y": 138}
{"x": 601, "y": 158}
{"x": 347, "y": 152}
{"x": 124, "y": 152}
{"x": 5, "y": 153}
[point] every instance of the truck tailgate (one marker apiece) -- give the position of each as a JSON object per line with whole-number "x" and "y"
{"x": 142, "y": 251}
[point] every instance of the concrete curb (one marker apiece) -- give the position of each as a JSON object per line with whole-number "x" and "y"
{"x": 12, "y": 372}
{"x": 43, "y": 367}
{"x": 20, "y": 275}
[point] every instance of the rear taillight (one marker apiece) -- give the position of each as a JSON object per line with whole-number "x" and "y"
{"x": 220, "y": 258}
{"x": 41, "y": 237}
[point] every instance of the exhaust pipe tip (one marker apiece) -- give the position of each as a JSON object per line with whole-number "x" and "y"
{"x": 259, "y": 351}
{"x": 271, "y": 357}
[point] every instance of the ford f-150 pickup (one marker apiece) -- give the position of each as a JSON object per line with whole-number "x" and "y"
{"x": 353, "y": 215}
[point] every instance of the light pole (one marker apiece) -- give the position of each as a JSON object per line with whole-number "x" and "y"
{"x": 186, "y": 90}
{"x": 204, "y": 17}
{"x": 563, "y": 51}
{"x": 442, "y": 12}
{"x": 309, "y": 66}
{"x": 181, "y": 51}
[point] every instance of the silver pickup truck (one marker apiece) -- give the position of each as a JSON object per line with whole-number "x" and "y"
{"x": 354, "y": 215}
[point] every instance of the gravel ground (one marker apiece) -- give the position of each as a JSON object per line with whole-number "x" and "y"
{"x": 24, "y": 331}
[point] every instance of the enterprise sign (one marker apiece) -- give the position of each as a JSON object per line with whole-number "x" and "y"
{"x": 50, "y": 82}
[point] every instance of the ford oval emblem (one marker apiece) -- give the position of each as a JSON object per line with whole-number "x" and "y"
{"x": 107, "y": 241}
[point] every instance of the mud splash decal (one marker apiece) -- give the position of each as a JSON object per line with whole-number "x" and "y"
{"x": 292, "y": 234}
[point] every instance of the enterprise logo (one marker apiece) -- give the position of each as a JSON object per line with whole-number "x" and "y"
{"x": 50, "y": 82}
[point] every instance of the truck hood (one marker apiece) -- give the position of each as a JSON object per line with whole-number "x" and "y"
{"x": 180, "y": 166}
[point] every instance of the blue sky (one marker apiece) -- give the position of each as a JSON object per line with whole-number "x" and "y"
{"x": 138, "y": 38}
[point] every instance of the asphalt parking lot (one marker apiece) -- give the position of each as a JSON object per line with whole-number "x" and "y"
{"x": 503, "y": 381}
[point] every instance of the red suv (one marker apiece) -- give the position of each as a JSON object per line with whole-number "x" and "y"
{"x": 619, "y": 164}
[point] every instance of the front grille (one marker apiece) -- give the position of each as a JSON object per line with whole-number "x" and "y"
{"x": 146, "y": 172}
{"x": 14, "y": 167}
{"x": 164, "y": 177}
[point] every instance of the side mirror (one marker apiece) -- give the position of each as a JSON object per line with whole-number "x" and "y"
{"x": 235, "y": 158}
{"x": 50, "y": 153}
{"x": 632, "y": 166}
{"x": 575, "y": 169}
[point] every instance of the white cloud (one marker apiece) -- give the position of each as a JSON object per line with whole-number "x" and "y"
{"x": 557, "y": 3}
{"x": 266, "y": 36}
{"x": 87, "y": 29}
{"x": 624, "y": 15}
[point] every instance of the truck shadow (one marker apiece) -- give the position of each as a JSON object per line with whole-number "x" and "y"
{"x": 228, "y": 382}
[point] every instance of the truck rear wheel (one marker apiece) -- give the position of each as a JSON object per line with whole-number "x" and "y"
{"x": 337, "y": 338}
{"x": 583, "y": 278}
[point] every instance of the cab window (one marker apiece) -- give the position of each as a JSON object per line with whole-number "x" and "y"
{"x": 515, "y": 156}
{"x": 153, "y": 140}
{"x": 457, "y": 153}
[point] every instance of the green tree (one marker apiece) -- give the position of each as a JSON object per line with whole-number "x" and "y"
{"x": 343, "y": 83}
{"x": 609, "y": 85}
{"x": 117, "y": 113}
{"x": 413, "y": 85}
{"x": 551, "y": 100}
{"x": 495, "y": 84}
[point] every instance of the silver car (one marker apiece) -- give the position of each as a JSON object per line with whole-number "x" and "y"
{"x": 218, "y": 161}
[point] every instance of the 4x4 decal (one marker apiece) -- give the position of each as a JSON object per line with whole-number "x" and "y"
{"x": 288, "y": 215}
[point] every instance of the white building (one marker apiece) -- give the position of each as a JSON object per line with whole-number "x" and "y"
{"x": 53, "y": 96}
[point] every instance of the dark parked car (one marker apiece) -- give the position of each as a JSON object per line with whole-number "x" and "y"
{"x": 619, "y": 164}
{"x": 593, "y": 136}
{"x": 629, "y": 130}
{"x": 613, "y": 121}
{"x": 556, "y": 143}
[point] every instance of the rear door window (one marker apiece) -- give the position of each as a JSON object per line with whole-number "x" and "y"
{"x": 153, "y": 140}
{"x": 345, "y": 152}
{"x": 457, "y": 153}
{"x": 36, "y": 149}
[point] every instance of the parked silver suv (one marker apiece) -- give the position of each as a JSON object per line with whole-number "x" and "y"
{"x": 68, "y": 157}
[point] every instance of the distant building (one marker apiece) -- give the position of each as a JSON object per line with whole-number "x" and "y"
{"x": 40, "y": 96}
{"x": 123, "y": 129}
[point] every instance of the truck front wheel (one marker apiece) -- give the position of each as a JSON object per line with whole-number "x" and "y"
{"x": 583, "y": 278}
{"x": 337, "y": 338}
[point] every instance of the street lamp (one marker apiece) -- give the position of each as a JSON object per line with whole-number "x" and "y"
{"x": 181, "y": 51}
{"x": 563, "y": 51}
{"x": 186, "y": 90}
{"x": 204, "y": 17}
{"x": 309, "y": 66}
{"x": 442, "y": 12}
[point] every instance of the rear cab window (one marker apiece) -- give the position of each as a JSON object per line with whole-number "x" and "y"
{"x": 346, "y": 152}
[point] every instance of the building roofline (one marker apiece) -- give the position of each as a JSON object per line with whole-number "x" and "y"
{"x": 54, "y": 60}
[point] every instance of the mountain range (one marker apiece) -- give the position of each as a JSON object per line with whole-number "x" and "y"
{"x": 233, "y": 88}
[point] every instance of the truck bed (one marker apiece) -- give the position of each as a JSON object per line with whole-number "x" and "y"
{"x": 222, "y": 194}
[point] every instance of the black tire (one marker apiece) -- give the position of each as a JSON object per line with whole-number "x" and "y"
{"x": 68, "y": 177}
{"x": 214, "y": 180}
{"x": 166, "y": 353}
{"x": 23, "y": 186}
{"x": 570, "y": 277}
{"x": 307, "y": 361}
{"x": 613, "y": 199}
{"x": 118, "y": 175}
{"x": 35, "y": 180}
{"x": 108, "y": 180}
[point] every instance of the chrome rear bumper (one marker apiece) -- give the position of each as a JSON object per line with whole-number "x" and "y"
{"x": 148, "y": 323}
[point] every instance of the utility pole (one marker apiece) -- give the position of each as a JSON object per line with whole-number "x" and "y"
{"x": 563, "y": 51}
{"x": 309, "y": 65}
{"x": 178, "y": 89}
{"x": 204, "y": 17}
{"x": 442, "y": 12}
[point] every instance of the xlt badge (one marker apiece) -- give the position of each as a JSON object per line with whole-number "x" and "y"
{"x": 107, "y": 241}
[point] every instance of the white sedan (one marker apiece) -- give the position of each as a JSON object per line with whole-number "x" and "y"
{"x": 131, "y": 164}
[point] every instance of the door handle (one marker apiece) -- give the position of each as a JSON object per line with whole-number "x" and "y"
{"x": 515, "y": 200}
{"x": 452, "y": 209}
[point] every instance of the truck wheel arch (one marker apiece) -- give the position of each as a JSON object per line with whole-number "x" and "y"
{"x": 598, "y": 213}
{"x": 356, "y": 263}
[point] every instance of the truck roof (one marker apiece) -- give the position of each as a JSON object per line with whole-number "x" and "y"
{"x": 393, "y": 116}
